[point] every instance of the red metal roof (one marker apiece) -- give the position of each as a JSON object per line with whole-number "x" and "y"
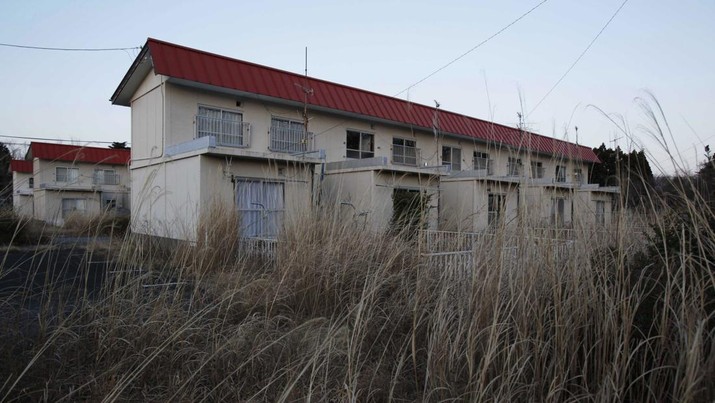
{"x": 24, "y": 166}
{"x": 67, "y": 152}
{"x": 207, "y": 68}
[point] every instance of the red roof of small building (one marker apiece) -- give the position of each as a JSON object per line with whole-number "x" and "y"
{"x": 67, "y": 152}
{"x": 207, "y": 68}
{"x": 24, "y": 166}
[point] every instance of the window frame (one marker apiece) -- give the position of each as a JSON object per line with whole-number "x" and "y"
{"x": 296, "y": 129}
{"x": 361, "y": 154}
{"x": 262, "y": 229}
{"x": 537, "y": 169}
{"x": 514, "y": 162}
{"x": 453, "y": 166}
{"x": 405, "y": 159}
{"x": 482, "y": 156}
{"x": 66, "y": 177}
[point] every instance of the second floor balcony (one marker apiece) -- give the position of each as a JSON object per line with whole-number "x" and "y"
{"x": 105, "y": 178}
{"x": 290, "y": 139}
{"x": 227, "y": 132}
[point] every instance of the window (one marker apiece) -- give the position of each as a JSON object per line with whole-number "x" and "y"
{"x": 513, "y": 167}
{"x": 495, "y": 206}
{"x": 226, "y": 126}
{"x": 560, "y": 173}
{"x": 600, "y": 212}
{"x": 105, "y": 177}
{"x": 31, "y": 183}
{"x": 482, "y": 162}
{"x": 69, "y": 175}
{"x": 537, "y": 169}
{"x": 452, "y": 157}
{"x": 71, "y": 206}
{"x": 260, "y": 207}
{"x": 558, "y": 207}
{"x": 577, "y": 175}
{"x": 360, "y": 145}
{"x": 288, "y": 135}
{"x": 404, "y": 151}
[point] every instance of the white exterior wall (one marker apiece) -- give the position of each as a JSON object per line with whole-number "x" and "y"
{"x": 22, "y": 194}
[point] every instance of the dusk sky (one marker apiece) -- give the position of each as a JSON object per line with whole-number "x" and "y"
{"x": 662, "y": 47}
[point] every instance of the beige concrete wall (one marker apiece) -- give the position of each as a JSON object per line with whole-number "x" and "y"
{"x": 170, "y": 198}
{"x": 48, "y": 204}
{"x": 148, "y": 119}
{"x": 585, "y": 207}
{"x": 166, "y": 199}
{"x": 457, "y": 205}
{"x": 44, "y": 172}
{"x": 366, "y": 197}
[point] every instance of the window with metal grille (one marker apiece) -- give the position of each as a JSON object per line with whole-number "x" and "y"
{"x": 452, "y": 157}
{"x": 105, "y": 177}
{"x": 226, "y": 126}
{"x": 359, "y": 144}
{"x": 289, "y": 135}
{"x": 537, "y": 169}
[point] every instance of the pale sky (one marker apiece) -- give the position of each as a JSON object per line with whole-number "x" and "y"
{"x": 665, "y": 47}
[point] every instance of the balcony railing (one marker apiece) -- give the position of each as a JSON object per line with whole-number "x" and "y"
{"x": 405, "y": 155}
{"x": 290, "y": 140}
{"x": 537, "y": 172}
{"x": 105, "y": 179}
{"x": 484, "y": 165}
{"x": 514, "y": 169}
{"x": 228, "y": 133}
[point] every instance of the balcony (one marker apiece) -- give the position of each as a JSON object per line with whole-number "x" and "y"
{"x": 484, "y": 166}
{"x": 227, "y": 132}
{"x": 405, "y": 155}
{"x": 105, "y": 178}
{"x": 290, "y": 140}
{"x": 514, "y": 169}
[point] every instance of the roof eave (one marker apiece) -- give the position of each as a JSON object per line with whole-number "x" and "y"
{"x": 139, "y": 69}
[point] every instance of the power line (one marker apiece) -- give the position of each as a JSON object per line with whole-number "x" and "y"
{"x": 472, "y": 49}
{"x": 579, "y": 57}
{"x": 49, "y": 139}
{"x": 12, "y": 45}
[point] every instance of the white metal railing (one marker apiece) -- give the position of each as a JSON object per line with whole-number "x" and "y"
{"x": 228, "y": 133}
{"x": 405, "y": 155}
{"x": 290, "y": 140}
{"x": 105, "y": 179}
{"x": 484, "y": 164}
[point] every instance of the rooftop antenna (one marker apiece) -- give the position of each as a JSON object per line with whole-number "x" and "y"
{"x": 305, "y": 93}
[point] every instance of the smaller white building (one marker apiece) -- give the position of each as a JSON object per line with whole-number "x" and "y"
{"x": 55, "y": 181}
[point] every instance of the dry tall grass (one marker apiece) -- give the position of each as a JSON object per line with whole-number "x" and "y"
{"x": 344, "y": 314}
